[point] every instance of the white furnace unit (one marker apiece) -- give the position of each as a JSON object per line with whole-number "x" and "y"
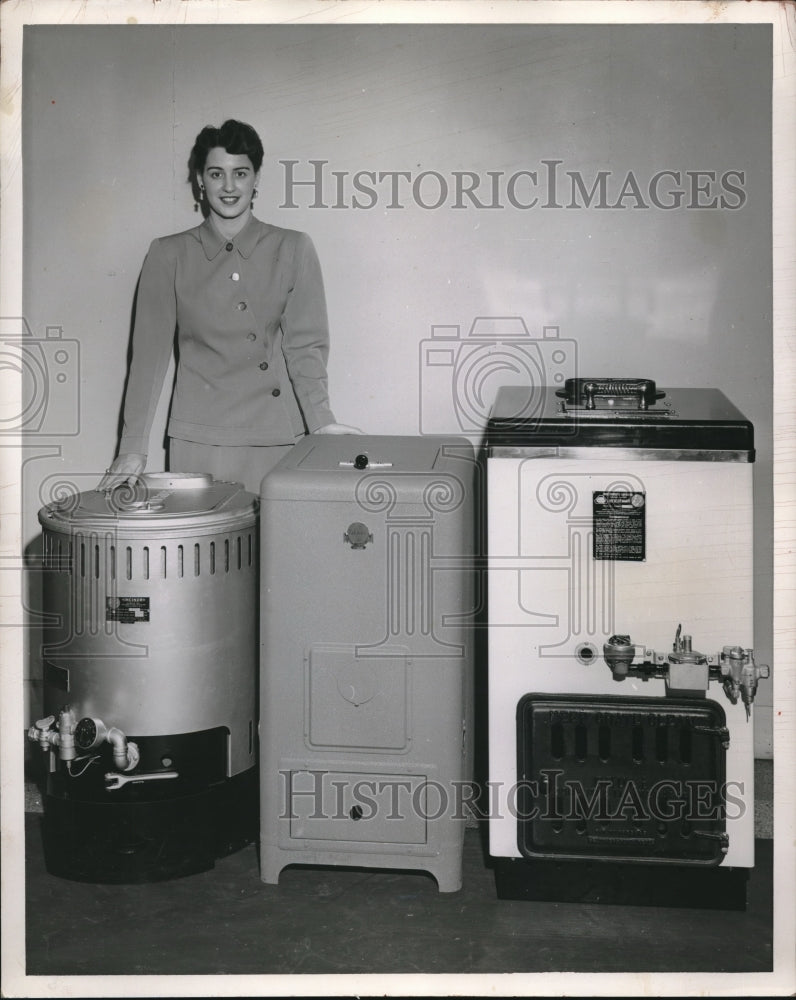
{"x": 366, "y": 669}
{"x": 621, "y": 666}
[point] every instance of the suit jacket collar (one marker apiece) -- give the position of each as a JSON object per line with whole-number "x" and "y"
{"x": 246, "y": 240}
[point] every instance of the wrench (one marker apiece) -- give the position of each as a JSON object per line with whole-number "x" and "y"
{"x": 114, "y": 780}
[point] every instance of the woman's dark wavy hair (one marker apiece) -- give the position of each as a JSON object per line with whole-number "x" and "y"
{"x": 237, "y": 138}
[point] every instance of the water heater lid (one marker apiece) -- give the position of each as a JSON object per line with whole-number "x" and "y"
{"x": 160, "y": 500}
{"x": 178, "y": 480}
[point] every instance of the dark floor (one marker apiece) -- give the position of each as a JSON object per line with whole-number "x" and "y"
{"x": 362, "y": 921}
{"x": 357, "y": 921}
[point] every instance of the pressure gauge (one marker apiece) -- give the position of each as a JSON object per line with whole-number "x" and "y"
{"x": 89, "y": 733}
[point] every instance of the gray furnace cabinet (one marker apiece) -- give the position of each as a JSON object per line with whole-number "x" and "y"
{"x": 367, "y": 610}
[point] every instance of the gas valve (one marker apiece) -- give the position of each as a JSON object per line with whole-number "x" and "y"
{"x": 688, "y": 669}
{"x": 740, "y": 674}
{"x": 51, "y": 735}
{"x": 685, "y": 670}
{"x": 620, "y": 654}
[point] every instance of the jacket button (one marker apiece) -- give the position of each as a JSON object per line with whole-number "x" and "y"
{"x": 230, "y": 246}
{"x": 276, "y": 392}
{"x": 242, "y": 306}
{"x": 235, "y": 276}
{"x": 251, "y": 336}
{"x": 263, "y": 365}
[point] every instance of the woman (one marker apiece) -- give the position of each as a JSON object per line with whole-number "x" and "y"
{"x": 247, "y": 301}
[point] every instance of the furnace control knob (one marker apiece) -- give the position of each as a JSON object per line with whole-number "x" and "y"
{"x": 358, "y": 535}
{"x": 361, "y": 462}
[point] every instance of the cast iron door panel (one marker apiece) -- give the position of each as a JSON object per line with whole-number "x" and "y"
{"x": 636, "y": 779}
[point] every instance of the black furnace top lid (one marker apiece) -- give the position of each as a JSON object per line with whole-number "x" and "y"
{"x": 619, "y": 413}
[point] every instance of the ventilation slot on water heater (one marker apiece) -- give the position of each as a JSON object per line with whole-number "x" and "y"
{"x": 94, "y": 557}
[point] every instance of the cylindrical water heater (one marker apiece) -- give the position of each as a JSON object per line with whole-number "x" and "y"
{"x": 149, "y": 659}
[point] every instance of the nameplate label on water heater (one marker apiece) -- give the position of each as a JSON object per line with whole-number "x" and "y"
{"x": 128, "y": 610}
{"x": 619, "y": 525}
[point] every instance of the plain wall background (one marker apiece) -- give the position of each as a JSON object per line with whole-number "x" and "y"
{"x": 681, "y": 296}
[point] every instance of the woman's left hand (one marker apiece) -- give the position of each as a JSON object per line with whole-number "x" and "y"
{"x": 338, "y": 429}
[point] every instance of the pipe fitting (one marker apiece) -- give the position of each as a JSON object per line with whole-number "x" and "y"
{"x": 125, "y": 753}
{"x": 92, "y": 733}
{"x": 65, "y": 740}
{"x": 619, "y": 653}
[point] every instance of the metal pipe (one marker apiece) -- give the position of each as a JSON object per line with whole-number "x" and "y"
{"x": 125, "y": 752}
